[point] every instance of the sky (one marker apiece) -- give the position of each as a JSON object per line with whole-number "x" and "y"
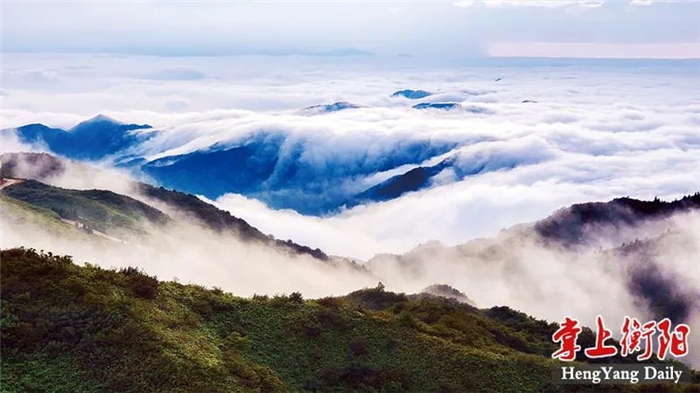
{"x": 445, "y": 30}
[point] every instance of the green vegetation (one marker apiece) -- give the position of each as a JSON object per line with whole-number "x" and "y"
{"x": 68, "y": 328}
{"x": 18, "y": 214}
{"x": 210, "y": 216}
{"x": 104, "y": 211}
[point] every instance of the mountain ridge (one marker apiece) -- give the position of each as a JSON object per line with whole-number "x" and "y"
{"x": 372, "y": 340}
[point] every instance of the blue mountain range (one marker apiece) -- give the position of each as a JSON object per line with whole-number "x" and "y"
{"x": 335, "y": 107}
{"x": 268, "y": 166}
{"x": 437, "y": 105}
{"x": 93, "y": 139}
{"x": 412, "y": 94}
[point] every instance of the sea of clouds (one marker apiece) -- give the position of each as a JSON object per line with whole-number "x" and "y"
{"x": 596, "y": 131}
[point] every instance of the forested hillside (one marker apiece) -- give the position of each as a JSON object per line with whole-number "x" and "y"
{"x": 68, "y": 328}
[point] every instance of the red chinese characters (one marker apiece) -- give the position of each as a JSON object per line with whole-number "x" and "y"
{"x": 675, "y": 342}
{"x": 634, "y": 334}
{"x": 602, "y": 335}
{"x": 631, "y": 336}
{"x": 567, "y": 336}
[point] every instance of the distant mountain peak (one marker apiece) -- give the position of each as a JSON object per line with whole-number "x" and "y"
{"x": 437, "y": 105}
{"x": 334, "y": 107}
{"x": 412, "y": 94}
{"x": 102, "y": 118}
{"x": 101, "y": 121}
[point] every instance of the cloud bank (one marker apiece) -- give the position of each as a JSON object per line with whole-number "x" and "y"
{"x": 595, "y": 132}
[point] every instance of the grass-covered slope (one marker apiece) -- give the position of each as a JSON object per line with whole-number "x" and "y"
{"x": 99, "y": 209}
{"x": 45, "y": 168}
{"x": 67, "y": 328}
{"x": 17, "y": 214}
{"x": 191, "y": 207}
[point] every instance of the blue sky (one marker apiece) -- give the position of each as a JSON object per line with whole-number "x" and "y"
{"x": 451, "y": 29}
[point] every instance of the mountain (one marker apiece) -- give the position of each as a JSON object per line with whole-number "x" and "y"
{"x": 423, "y": 177}
{"x": 448, "y": 292}
{"x": 68, "y": 327}
{"x": 335, "y": 107}
{"x": 268, "y": 167}
{"x": 636, "y": 242}
{"x": 412, "y": 94}
{"x": 71, "y": 328}
{"x": 31, "y": 165}
{"x": 107, "y": 211}
{"x": 104, "y": 211}
{"x": 579, "y": 224}
{"x": 413, "y": 180}
{"x": 92, "y": 139}
{"x": 188, "y": 206}
{"x": 437, "y": 105}
{"x": 453, "y": 106}
{"x": 18, "y": 214}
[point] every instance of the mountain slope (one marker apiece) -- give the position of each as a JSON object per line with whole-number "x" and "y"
{"x": 644, "y": 249}
{"x": 180, "y": 206}
{"x": 328, "y": 108}
{"x": 68, "y": 328}
{"x": 92, "y": 139}
{"x": 37, "y": 166}
{"x": 412, "y": 94}
{"x": 578, "y": 224}
{"x": 190, "y": 207}
{"x": 18, "y": 214}
{"x": 413, "y": 180}
{"x": 272, "y": 168}
{"x": 281, "y": 168}
{"x": 105, "y": 211}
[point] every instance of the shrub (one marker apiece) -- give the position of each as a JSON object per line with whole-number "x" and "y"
{"x": 313, "y": 330}
{"x": 141, "y": 284}
{"x": 296, "y": 297}
{"x": 407, "y": 320}
{"x": 332, "y": 302}
{"x": 236, "y": 341}
{"x": 260, "y": 298}
{"x": 358, "y": 347}
{"x": 279, "y": 300}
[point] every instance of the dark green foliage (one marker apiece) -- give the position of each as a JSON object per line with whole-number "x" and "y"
{"x": 220, "y": 220}
{"x": 569, "y": 226}
{"x": 296, "y": 297}
{"x": 93, "y": 330}
{"x": 376, "y": 298}
{"x": 67, "y": 328}
{"x": 358, "y": 347}
{"x": 140, "y": 283}
{"x": 101, "y": 210}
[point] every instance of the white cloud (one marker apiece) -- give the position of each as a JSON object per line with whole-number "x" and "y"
{"x": 596, "y": 132}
